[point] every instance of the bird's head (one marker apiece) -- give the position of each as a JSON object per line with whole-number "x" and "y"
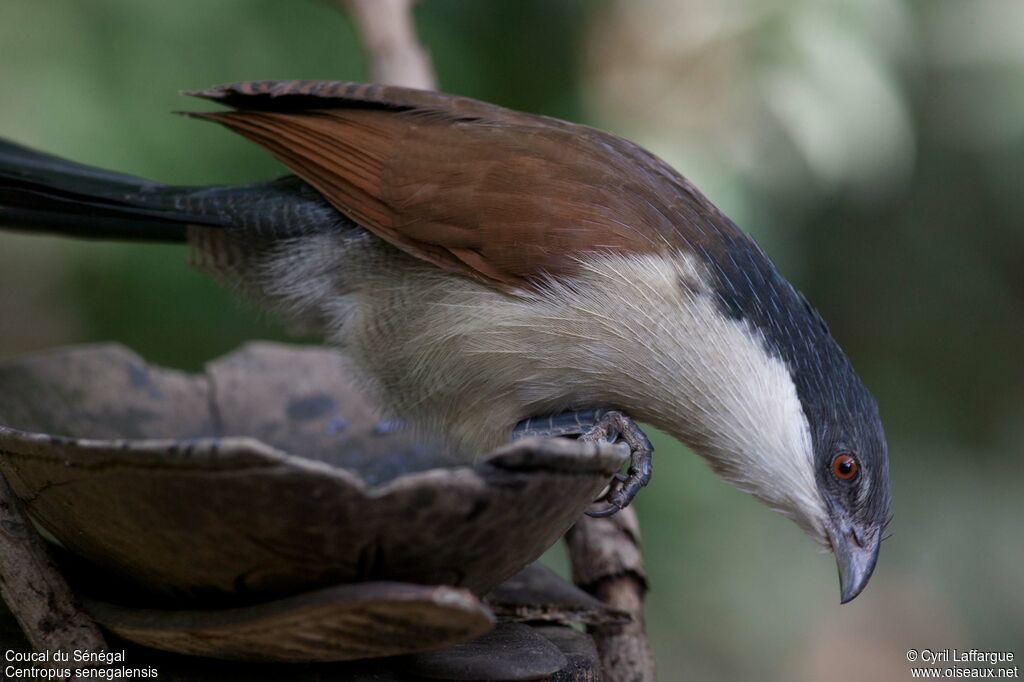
{"x": 780, "y": 411}
{"x": 849, "y": 461}
{"x": 809, "y": 426}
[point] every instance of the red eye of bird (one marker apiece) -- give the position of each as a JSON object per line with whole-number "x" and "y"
{"x": 845, "y": 467}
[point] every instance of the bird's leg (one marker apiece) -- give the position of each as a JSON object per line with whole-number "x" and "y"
{"x": 609, "y": 426}
{"x": 563, "y": 424}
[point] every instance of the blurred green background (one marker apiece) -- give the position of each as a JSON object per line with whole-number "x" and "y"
{"x": 876, "y": 149}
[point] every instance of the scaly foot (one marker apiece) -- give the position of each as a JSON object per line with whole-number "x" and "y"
{"x": 601, "y": 425}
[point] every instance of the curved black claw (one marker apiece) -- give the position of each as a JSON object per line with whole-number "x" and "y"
{"x": 610, "y": 427}
{"x": 610, "y": 510}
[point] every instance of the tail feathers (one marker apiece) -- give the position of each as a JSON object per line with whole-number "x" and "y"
{"x": 43, "y": 193}
{"x": 40, "y": 192}
{"x": 29, "y": 165}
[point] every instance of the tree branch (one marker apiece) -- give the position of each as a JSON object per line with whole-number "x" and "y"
{"x": 607, "y": 563}
{"x": 389, "y": 38}
{"x": 34, "y": 589}
{"x": 605, "y": 553}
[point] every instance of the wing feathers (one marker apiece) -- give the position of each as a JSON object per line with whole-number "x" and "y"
{"x": 501, "y": 196}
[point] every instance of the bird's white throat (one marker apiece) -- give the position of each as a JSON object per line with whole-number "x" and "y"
{"x": 690, "y": 370}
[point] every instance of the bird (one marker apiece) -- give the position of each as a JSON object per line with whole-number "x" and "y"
{"x": 498, "y": 274}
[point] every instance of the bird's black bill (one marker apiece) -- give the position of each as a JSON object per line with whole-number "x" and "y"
{"x": 856, "y": 561}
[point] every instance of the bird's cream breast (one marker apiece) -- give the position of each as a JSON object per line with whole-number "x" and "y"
{"x": 638, "y": 333}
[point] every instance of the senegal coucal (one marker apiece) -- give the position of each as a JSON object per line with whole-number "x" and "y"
{"x": 488, "y": 268}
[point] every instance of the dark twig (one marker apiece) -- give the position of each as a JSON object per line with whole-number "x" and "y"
{"x": 607, "y": 563}
{"x": 33, "y": 588}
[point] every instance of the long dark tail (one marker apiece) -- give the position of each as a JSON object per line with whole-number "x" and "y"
{"x": 43, "y": 193}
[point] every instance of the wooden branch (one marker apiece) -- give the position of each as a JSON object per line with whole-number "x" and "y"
{"x": 605, "y": 553}
{"x": 392, "y": 48}
{"x": 33, "y": 588}
{"x": 607, "y": 563}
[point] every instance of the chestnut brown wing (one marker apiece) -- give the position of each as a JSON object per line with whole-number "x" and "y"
{"x": 498, "y": 195}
